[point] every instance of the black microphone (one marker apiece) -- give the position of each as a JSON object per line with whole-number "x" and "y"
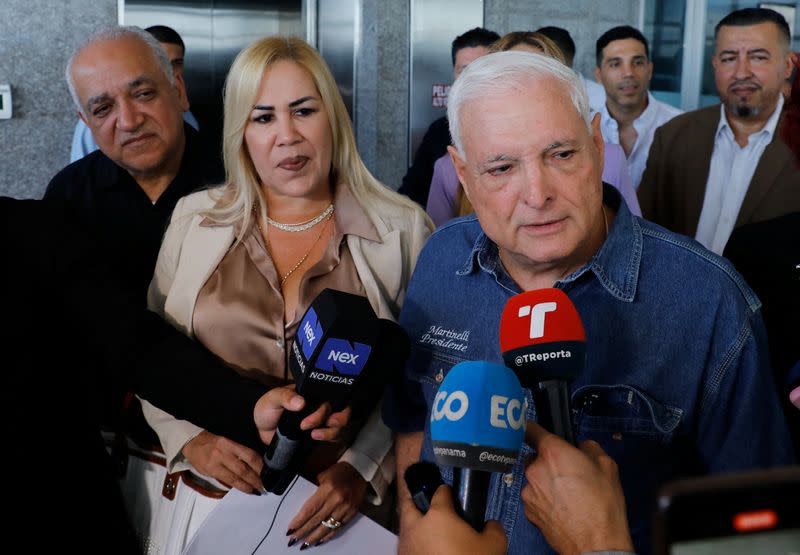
{"x": 543, "y": 341}
{"x": 332, "y": 345}
{"x": 385, "y": 365}
{"x": 343, "y": 354}
{"x": 477, "y": 426}
{"x": 423, "y": 479}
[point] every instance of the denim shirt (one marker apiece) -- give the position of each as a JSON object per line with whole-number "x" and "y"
{"x": 677, "y": 379}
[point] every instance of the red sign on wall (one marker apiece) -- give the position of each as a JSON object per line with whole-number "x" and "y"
{"x": 439, "y": 95}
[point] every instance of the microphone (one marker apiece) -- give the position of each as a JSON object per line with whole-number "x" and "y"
{"x": 334, "y": 342}
{"x": 477, "y": 427}
{"x": 423, "y": 479}
{"x": 543, "y": 341}
{"x": 385, "y": 365}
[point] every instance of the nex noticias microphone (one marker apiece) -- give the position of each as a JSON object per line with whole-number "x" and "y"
{"x": 333, "y": 344}
{"x": 477, "y": 427}
{"x": 543, "y": 341}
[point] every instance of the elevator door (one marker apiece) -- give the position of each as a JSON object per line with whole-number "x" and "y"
{"x": 434, "y": 25}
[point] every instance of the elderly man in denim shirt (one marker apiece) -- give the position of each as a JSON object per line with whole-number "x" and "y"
{"x": 677, "y": 380}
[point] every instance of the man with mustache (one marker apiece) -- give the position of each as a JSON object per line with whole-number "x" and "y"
{"x": 717, "y": 168}
{"x": 630, "y": 115}
{"x": 172, "y": 43}
{"x": 122, "y": 195}
{"x": 676, "y": 381}
{"x": 126, "y": 92}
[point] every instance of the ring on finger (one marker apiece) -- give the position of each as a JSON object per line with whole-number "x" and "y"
{"x": 331, "y": 523}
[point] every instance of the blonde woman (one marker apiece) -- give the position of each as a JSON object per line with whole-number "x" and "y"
{"x": 239, "y": 264}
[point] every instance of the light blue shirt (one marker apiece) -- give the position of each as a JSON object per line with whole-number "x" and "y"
{"x": 83, "y": 142}
{"x": 732, "y": 167}
{"x": 654, "y": 116}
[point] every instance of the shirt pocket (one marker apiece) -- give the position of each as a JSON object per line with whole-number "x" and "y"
{"x": 638, "y": 432}
{"x": 429, "y": 368}
{"x": 621, "y": 411}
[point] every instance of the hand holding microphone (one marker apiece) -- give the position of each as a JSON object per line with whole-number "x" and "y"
{"x": 477, "y": 426}
{"x": 341, "y": 348}
{"x": 574, "y": 495}
{"x": 543, "y": 341}
{"x": 324, "y": 425}
{"x": 440, "y": 530}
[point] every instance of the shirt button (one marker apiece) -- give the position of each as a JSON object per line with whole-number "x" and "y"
{"x": 617, "y": 436}
{"x": 508, "y": 479}
{"x": 279, "y": 342}
{"x": 170, "y": 485}
{"x": 439, "y": 376}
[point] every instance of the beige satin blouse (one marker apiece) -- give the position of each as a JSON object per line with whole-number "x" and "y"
{"x": 239, "y": 311}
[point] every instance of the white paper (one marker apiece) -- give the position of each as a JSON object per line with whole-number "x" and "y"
{"x": 240, "y": 525}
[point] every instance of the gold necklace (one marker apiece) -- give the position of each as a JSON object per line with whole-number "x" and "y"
{"x": 303, "y": 258}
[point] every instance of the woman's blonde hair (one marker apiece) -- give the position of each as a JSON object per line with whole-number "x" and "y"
{"x": 528, "y": 38}
{"x": 242, "y": 191}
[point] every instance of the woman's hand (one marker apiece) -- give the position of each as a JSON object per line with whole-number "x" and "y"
{"x": 341, "y": 491}
{"x": 229, "y": 462}
{"x": 271, "y": 405}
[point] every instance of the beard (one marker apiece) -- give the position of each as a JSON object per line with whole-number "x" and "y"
{"x": 752, "y": 105}
{"x": 745, "y": 111}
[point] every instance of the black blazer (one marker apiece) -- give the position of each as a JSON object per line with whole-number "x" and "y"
{"x": 767, "y": 254}
{"x": 65, "y": 316}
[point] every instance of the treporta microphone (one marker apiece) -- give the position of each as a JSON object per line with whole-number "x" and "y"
{"x": 333, "y": 343}
{"x": 477, "y": 426}
{"x": 543, "y": 341}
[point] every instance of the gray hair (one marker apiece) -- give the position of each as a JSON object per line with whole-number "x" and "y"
{"x": 505, "y": 72}
{"x": 117, "y": 33}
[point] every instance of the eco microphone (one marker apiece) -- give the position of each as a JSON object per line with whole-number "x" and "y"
{"x": 333, "y": 343}
{"x": 543, "y": 341}
{"x": 477, "y": 426}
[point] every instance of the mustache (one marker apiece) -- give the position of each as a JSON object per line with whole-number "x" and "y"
{"x": 744, "y": 83}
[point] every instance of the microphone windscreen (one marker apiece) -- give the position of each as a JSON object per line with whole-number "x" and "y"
{"x": 541, "y": 332}
{"x": 478, "y": 417}
{"x": 333, "y": 342}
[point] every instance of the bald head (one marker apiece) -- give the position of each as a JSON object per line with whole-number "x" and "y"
{"x": 130, "y": 100}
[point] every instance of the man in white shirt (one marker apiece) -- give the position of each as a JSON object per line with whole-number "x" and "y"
{"x": 630, "y": 114}
{"x": 717, "y": 168}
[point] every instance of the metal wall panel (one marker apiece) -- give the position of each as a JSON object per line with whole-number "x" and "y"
{"x": 434, "y": 25}
{"x": 337, "y": 36}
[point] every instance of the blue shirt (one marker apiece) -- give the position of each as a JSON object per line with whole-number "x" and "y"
{"x": 677, "y": 380}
